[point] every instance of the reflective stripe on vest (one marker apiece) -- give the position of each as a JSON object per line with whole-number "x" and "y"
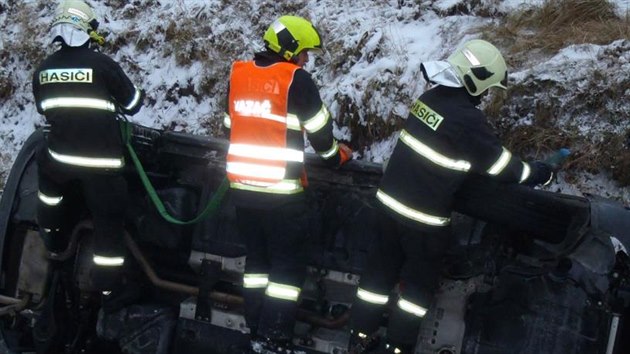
{"x": 108, "y": 261}
{"x": 287, "y": 186}
{"x": 318, "y": 121}
{"x": 266, "y": 153}
{"x": 411, "y": 308}
{"x": 255, "y": 281}
{"x": 77, "y": 102}
{"x": 432, "y": 155}
{"x": 282, "y": 291}
{"x": 258, "y": 154}
{"x": 372, "y": 298}
{"x": 253, "y": 171}
{"x": 410, "y": 212}
{"x": 94, "y": 162}
{"x": 501, "y": 163}
{"x": 293, "y": 122}
{"x": 48, "y": 200}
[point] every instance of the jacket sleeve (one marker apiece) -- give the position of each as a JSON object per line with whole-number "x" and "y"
{"x": 306, "y": 103}
{"x": 127, "y": 95}
{"x": 36, "y": 94}
{"x": 489, "y": 157}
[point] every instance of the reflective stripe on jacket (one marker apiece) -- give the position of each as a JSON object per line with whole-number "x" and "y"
{"x": 445, "y": 139}
{"x": 259, "y": 155}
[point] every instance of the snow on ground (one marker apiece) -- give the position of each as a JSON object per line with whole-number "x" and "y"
{"x": 370, "y": 45}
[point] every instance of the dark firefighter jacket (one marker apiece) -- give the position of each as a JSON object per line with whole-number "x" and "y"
{"x": 445, "y": 138}
{"x": 300, "y": 102}
{"x": 80, "y": 91}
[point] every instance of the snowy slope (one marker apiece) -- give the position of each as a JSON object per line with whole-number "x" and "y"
{"x": 180, "y": 53}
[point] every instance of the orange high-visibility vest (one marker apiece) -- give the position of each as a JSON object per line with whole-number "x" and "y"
{"x": 258, "y": 152}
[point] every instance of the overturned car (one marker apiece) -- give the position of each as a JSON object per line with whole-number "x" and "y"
{"x": 535, "y": 272}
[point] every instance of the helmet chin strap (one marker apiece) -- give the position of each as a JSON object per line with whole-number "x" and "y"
{"x": 476, "y": 100}
{"x": 97, "y": 38}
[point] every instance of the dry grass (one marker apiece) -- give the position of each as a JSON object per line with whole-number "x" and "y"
{"x": 182, "y": 39}
{"x": 543, "y": 31}
{"x": 366, "y": 125}
{"x": 557, "y": 24}
{"x": 23, "y": 46}
{"x": 7, "y": 86}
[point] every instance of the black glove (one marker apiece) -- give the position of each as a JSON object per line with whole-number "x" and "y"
{"x": 541, "y": 173}
{"x": 544, "y": 172}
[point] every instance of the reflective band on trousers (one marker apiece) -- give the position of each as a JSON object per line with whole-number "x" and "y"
{"x": 48, "y": 200}
{"x": 432, "y": 155}
{"x": 266, "y": 152}
{"x": 135, "y": 100}
{"x": 371, "y": 297}
{"x": 331, "y": 152}
{"x": 254, "y": 281}
{"x": 108, "y": 261}
{"x": 77, "y": 102}
{"x": 96, "y": 162}
{"x": 411, "y": 213}
{"x": 412, "y": 308}
{"x": 526, "y": 172}
{"x": 501, "y": 163}
{"x": 282, "y": 291}
{"x": 255, "y": 171}
{"x": 288, "y": 186}
{"x": 318, "y": 121}
{"x": 395, "y": 350}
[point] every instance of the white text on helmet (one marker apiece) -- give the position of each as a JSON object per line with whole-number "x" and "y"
{"x": 78, "y": 13}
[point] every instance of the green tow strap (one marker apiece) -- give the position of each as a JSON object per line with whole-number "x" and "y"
{"x": 210, "y": 209}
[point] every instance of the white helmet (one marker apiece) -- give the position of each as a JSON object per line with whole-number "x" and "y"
{"x": 74, "y": 21}
{"x": 479, "y": 65}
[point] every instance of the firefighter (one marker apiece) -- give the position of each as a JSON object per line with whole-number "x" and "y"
{"x": 446, "y": 138}
{"x": 80, "y": 91}
{"x": 272, "y": 101}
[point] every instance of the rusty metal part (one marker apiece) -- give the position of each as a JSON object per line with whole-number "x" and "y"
{"x": 72, "y": 243}
{"x": 7, "y": 300}
{"x": 225, "y": 298}
{"x": 173, "y": 286}
{"x": 15, "y": 307}
{"x": 306, "y": 316}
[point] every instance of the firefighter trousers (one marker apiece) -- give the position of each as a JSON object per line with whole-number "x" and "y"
{"x": 105, "y": 195}
{"x": 404, "y": 256}
{"x": 275, "y": 269}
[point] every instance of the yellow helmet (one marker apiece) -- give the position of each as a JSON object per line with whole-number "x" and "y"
{"x": 289, "y": 35}
{"x": 479, "y": 65}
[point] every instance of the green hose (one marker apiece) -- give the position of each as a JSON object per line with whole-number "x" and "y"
{"x": 211, "y": 207}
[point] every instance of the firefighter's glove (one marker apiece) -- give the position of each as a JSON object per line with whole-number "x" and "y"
{"x": 541, "y": 174}
{"x": 345, "y": 153}
{"x": 544, "y": 172}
